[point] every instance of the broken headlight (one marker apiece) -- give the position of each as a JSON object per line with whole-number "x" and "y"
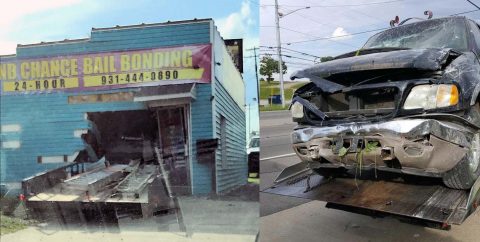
{"x": 297, "y": 110}
{"x": 431, "y": 96}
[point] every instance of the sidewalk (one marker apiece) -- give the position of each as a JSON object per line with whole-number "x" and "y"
{"x": 219, "y": 218}
{"x": 34, "y": 234}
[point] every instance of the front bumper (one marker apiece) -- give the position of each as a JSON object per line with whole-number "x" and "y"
{"x": 415, "y": 146}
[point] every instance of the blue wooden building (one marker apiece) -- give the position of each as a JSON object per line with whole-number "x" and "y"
{"x": 172, "y": 84}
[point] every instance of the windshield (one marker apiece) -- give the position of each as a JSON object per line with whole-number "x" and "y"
{"x": 255, "y": 142}
{"x": 438, "y": 33}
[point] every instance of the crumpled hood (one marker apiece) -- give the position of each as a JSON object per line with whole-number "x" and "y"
{"x": 422, "y": 59}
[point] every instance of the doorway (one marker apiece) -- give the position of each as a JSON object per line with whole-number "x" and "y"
{"x": 122, "y": 136}
{"x": 173, "y": 133}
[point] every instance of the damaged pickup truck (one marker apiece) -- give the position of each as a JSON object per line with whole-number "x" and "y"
{"x": 407, "y": 102}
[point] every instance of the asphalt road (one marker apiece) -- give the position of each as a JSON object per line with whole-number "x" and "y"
{"x": 294, "y": 219}
{"x": 275, "y": 129}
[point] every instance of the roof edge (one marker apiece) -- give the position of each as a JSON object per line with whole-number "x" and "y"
{"x": 142, "y": 25}
{"x": 8, "y": 55}
{"x": 65, "y": 41}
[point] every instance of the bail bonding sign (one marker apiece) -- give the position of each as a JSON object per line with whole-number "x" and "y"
{"x": 107, "y": 70}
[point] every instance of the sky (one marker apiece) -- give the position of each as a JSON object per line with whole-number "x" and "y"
{"x": 337, "y": 20}
{"x": 33, "y": 21}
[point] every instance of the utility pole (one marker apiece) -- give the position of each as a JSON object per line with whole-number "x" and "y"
{"x": 279, "y": 53}
{"x": 256, "y": 73}
{"x": 249, "y": 118}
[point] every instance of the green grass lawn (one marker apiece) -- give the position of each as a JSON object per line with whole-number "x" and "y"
{"x": 273, "y": 88}
{"x": 11, "y": 225}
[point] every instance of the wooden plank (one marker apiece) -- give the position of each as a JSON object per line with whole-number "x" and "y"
{"x": 433, "y": 203}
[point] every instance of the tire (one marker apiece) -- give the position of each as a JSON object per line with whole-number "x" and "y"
{"x": 467, "y": 171}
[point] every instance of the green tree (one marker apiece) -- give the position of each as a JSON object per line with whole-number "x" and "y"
{"x": 268, "y": 66}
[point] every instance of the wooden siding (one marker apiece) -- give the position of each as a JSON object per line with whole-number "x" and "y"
{"x": 48, "y": 121}
{"x": 228, "y": 102}
{"x": 47, "y": 124}
{"x": 234, "y": 172}
{"x": 201, "y": 115}
{"x": 229, "y": 92}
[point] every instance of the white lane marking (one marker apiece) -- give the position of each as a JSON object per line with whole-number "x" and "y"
{"x": 277, "y": 156}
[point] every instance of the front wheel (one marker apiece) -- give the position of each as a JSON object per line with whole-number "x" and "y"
{"x": 466, "y": 172}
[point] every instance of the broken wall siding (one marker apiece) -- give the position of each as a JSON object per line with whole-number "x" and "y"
{"x": 47, "y": 125}
{"x": 48, "y": 122}
{"x": 229, "y": 92}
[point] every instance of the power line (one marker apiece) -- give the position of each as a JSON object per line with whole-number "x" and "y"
{"x": 473, "y": 4}
{"x": 307, "y": 17}
{"x": 287, "y": 56}
{"x": 327, "y": 38}
{"x": 471, "y": 11}
{"x": 283, "y": 55}
{"x": 362, "y": 32}
{"x": 334, "y": 6}
{"x": 290, "y": 56}
{"x": 334, "y": 37}
{"x": 370, "y": 16}
{"x": 352, "y": 34}
{"x": 293, "y": 57}
{"x": 351, "y": 9}
{"x": 307, "y": 62}
{"x": 302, "y": 53}
{"x": 298, "y": 64}
{"x": 291, "y": 50}
{"x": 268, "y": 51}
